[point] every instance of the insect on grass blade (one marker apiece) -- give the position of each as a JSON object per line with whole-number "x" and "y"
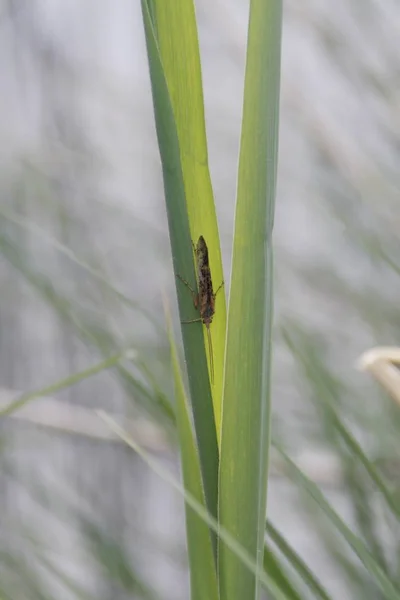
{"x": 204, "y": 301}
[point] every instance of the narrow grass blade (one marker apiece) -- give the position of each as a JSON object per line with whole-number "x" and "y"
{"x": 44, "y": 237}
{"x": 182, "y": 255}
{"x": 275, "y": 569}
{"x": 111, "y": 556}
{"x": 358, "y": 581}
{"x": 297, "y": 563}
{"x": 177, "y": 39}
{"x": 352, "y": 540}
{"x": 246, "y": 399}
{"x": 62, "y": 384}
{"x": 201, "y": 543}
{"x": 357, "y": 482}
{"x": 327, "y": 391}
{"x": 68, "y": 583}
{"x": 243, "y": 556}
{"x": 97, "y": 337}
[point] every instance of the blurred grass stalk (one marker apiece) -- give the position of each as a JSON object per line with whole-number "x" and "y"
{"x": 232, "y": 416}
{"x": 366, "y": 554}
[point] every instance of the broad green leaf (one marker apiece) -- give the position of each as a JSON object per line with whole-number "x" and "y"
{"x": 246, "y": 396}
{"x": 202, "y": 558}
{"x": 176, "y": 34}
{"x": 182, "y": 255}
{"x": 354, "y": 542}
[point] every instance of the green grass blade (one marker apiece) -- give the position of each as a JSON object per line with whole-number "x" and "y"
{"x": 275, "y": 569}
{"x": 357, "y": 580}
{"x": 354, "y": 542}
{"x": 202, "y": 555}
{"x": 327, "y": 391}
{"x": 64, "y": 250}
{"x": 246, "y": 400}
{"x": 182, "y": 255}
{"x": 356, "y": 481}
{"x": 111, "y": 556}
{"x": 243, "y": 556}
{"x": 75, "y": 589}
{"x": 62, "y": 384}
{"x": 297, "y": 563}
{"x": 98, "y": 337}
{"x": 176, "y": 33}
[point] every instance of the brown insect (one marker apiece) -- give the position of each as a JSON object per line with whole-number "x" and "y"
{"x": 204, "y": 301}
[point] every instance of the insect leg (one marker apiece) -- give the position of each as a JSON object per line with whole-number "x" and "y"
{"x": 222, "y": 284}
{"x": 192, "y": 321}
{"x": 187, "y": 284}
{"x": 194, "y": 295}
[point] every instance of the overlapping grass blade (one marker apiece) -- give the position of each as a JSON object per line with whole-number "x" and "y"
{"x": 41, "y": 234}
{"x": 201, "y": 543}
{"x": 61, "y": 385}
{"x": 273, "y": 566}
{"x": 354, "y": 542}
{"x": 97, "y": 336}
{"x": 358, "y": 580}
{"x": 182, "y": 254}
{"x": 246, "y": 399}
{"x": 327, "y": 391}
{"x": 229, "y": 540}
{"x": 297, "y": 563}
{"x": 176, "y": 34}
{"x": 357, "y": 482}
{"x": 112, "y": 558}
{"x": 364, "y": 483}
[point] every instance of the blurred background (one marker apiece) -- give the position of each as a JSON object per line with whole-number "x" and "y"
{"x": 84, "y": 258}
